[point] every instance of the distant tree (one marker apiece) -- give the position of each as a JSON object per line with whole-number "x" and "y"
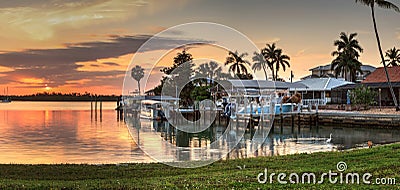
{"x": 281, "y": 60}
{"x": 237, "y": 64}
{"x": 393, "y": 56}
{"x": 386, "y": 5}
{"x": 275, "y": 59}
{"x": 200, "y": 93}
{"x": 346, "y": 61}
{"x": 137, "y": 73}
{"x": 259, "y": 62}
{"x": 270, "y": 53}
{"x": 179, "y": 76}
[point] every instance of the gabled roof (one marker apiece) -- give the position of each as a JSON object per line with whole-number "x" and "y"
{"x": 321, "y": 84}
{"x": 379, "y": 75}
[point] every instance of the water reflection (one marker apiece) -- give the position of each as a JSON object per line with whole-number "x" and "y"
{"x": 65, "y": 136}
{"x": 166, "y": 143}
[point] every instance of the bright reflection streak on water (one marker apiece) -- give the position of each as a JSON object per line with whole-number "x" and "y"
{"x": 65, "y": 136}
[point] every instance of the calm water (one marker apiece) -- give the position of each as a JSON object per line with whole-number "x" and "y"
{"x": 67, "y": 132}
{"x": 64, "y": 132}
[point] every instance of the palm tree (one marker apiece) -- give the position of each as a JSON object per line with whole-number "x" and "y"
{"x": 281, "y": 60}
{"x": 237, "y": 63}
{"x": 270, "y": 55}
{"x": 137, "y": 73}
{"x": 347, "y": 54}
{"x": 345, "y": 63}
{"x": 260, "y": 63}
{"x": 386, "y": 5}
{"x": 394, "y": 57}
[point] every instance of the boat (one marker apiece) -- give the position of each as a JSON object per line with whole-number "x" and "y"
{"x": 151, "y": 109}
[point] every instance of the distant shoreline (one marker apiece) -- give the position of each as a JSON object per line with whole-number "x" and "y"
{"x": 63, "y": 98}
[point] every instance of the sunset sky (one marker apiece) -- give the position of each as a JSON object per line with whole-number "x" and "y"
{"x": 74, "y": 46}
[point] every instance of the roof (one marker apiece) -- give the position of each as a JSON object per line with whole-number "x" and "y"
{"x": 321, "y": 84}
{"x": 371, "y": 85}
{"x": 322, "y": 67}
{"x": 379, "y": 75}
{"x": 328, "y": 67}
{"x": 260, "y": 84}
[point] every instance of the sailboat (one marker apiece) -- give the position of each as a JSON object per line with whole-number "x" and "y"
{"x": 6, "y": 99}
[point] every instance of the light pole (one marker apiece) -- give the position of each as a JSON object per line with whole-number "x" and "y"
{"x": 380, "y": 99}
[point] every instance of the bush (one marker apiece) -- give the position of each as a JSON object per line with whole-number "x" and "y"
{"x": 363, "y": 95}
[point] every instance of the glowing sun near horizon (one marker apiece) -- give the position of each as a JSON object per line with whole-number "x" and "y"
{"x": 47, "y": 88}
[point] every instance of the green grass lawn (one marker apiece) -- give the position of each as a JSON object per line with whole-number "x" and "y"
{"x": 382, "y": 161}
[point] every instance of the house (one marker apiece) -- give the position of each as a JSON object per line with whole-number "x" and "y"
{"x": 318, "y": 90}
{"x": 377, "y": 81}
{"x": 325, "y": 71}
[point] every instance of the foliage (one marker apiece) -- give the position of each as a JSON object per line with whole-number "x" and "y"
{"x": 237, "y": 64}
{"x": 274, "y": 57}
{"x": 178, "y": 75}
{"x": 200, "y": 93}
{"x": 380, "y": 161}
{"x": 363, "y": 95}
{"x": 259, "y": 62}
{"x": 208, "y": 72}
{"x": 393, "y": 56}
{"x": 137, "y": 73}
{"x": 347, "y": 54}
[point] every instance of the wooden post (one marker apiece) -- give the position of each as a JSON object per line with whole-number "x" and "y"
{"x": 316, "y": 116}
{"x": 101, "y": 109}
{"x": 95, "y": 107}
{"x": 281, "y": 122}
{"x": 91, "y": 107}
{"x": 298, "y": 120}
{"x": 292, "y": 116}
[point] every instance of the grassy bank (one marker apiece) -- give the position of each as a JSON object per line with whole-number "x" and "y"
{"x": 383, "y": 161}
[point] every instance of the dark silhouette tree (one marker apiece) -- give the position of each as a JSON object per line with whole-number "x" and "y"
{"x": 386, "y": 5}
{"x": 137, "y": 73}
{"x": 238, "y": 64}
{"x": 260, "y": 63}
{"x": 347, "y": 54}
{"x": 281, "y": 60}
{"x": 393, "y": 56}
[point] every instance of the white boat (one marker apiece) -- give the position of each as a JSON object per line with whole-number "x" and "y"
{"x": 151, "y": 109}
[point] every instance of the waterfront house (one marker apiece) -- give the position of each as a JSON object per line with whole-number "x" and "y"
{"x": 318, "y": 90}
{"x": 325, "y": 71}
{"x": 378, "y": 82}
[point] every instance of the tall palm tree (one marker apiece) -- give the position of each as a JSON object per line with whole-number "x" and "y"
{"x": 347, "y": 54}
{"x": 386, "y": 5}
{"x": 281, "y": 60}
{"x": 260, "y": 63}
{"x": 393, "y": 56}
{"x": 237, "y": 63}
{"x": 137, "y": 73}
{"x": 270, "y": 53}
